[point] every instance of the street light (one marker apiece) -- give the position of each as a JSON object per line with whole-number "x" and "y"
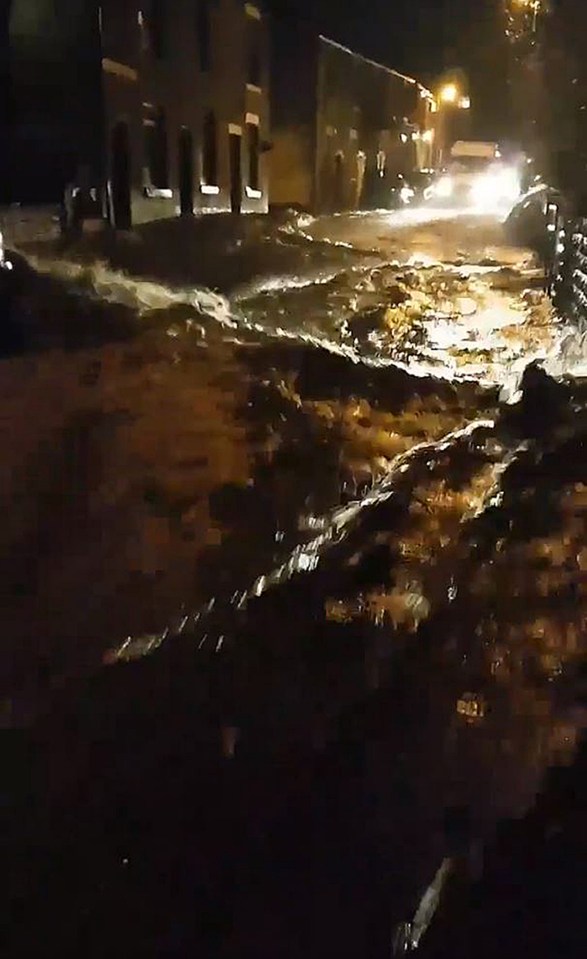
{"x": 449, "y": 93}
{"x": 534, "y": 6}
{"x": 450, "y": 99}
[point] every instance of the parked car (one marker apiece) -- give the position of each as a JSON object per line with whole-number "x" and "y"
{"x": 420, "y": 182}
{"x": 5, "y": 263}
{"x": 410, "y": 188}
{"x": 15, "y": 275}
{"x": 530, "y": 222}
{"x": 401, "y": 193}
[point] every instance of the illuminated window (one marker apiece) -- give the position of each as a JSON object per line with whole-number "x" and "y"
{"x": 210, "y": 151}
{"x": 253, "y": 142}
{"x": 155, "y": 146}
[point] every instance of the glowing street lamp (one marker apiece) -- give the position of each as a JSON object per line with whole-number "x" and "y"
{"x": 532, "y": 6}
{"x": 449, "y": 93}
{"x": 449, "y": 99}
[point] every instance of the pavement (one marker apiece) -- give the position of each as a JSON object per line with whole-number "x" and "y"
{"x": 292, "y": 567}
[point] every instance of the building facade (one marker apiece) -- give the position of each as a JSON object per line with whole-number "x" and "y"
{"x": 343, "y": 127}
{"x": 524, "y": 25}
{"x": 564, "y": 128}
{"x": 161, "y": 105}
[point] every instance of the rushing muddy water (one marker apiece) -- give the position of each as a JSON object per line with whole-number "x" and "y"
{"x": 319, "y": 526}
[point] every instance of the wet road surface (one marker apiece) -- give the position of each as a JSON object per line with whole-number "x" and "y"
{"x": 350, "y": 573}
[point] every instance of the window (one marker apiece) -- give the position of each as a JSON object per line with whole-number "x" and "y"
{"x": 254, "y": 55}
{"x": 254, "y": 69}
{"x": 253, "y": 142}
{"x": 153, "y": 25}
{"x": 210, "y": 154}
{"x": 204, "y": 33}
{"x": 156, "y": 166}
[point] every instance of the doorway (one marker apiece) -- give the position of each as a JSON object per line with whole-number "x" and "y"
{"x": 120, "y": 171}
{"x": 236, "y": 180}
{"x": 360, "y": 183}
{"x": 186, "y": 172}
{"x": 338, "y": 182}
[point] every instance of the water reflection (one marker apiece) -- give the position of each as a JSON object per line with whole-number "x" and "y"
{"x": 109, "y": 478}
{"x": 345, "y": 596}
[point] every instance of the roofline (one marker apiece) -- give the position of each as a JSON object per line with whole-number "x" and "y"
{"x": 380, "y": 66}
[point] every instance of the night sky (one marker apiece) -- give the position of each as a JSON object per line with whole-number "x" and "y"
{"x": 404, "y": 32}
{"x": 423, "y": 38}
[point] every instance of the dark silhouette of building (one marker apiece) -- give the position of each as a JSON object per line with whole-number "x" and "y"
{"x": 524, "y": 25}
{"x": 564, "y": 126}
{"x": 343, "y": 126}
{"x": 160, "y": 106}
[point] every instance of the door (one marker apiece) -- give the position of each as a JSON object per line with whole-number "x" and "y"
{"x": 120, "y": 177}
{"x": 186, "y": 172}
{"x": 338, "y": 191}
{"x": 361, "y": 167}
{"x": 236, "y": 180}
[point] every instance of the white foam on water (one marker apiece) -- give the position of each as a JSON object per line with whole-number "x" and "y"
{"x": 144, "y": 296}
{"x": 306, "y": 557}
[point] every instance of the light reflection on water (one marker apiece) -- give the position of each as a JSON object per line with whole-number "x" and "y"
{"x": 374, "y": 448}
{"x": 358, "y": 521}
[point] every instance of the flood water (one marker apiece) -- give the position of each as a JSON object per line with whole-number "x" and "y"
{"x": 289, "y": 571}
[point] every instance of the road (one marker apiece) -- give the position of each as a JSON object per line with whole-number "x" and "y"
{"x": 288, "y": 573}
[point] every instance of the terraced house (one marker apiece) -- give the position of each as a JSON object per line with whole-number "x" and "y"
{"x": 343, "y": 126}
{"x": 160, "y": 105}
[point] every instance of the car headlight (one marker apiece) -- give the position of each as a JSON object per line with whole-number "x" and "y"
{"x": 496, "y": 187}
{"x": 444, "y": 187}
{"x": 406, "y": 194}
{"x": 509, "y": 184}
{"x": 4, "y": 263}
{"x": 485, "y": 190}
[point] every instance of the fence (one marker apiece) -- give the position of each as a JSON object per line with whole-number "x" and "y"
{"x": 569, "y": 286}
